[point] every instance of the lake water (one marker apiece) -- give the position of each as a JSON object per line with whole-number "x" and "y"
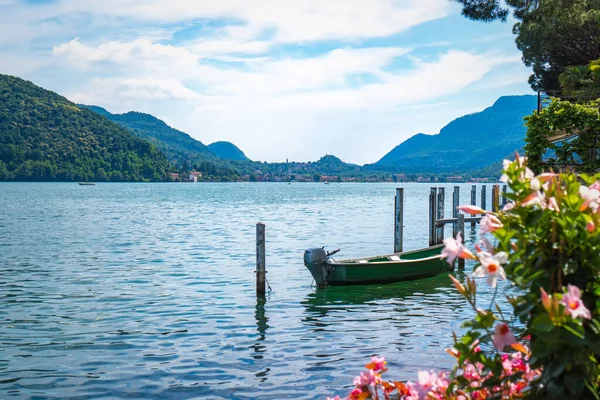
{"x": 148, "y": 291}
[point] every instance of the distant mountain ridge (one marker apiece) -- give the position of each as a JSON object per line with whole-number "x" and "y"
{"x": 227, "y": 151}
{"x": 468, "y": 143}
{"x": 156, "y": 130}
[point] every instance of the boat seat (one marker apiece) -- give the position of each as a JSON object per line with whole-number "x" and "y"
{"x": 394, "y": 258}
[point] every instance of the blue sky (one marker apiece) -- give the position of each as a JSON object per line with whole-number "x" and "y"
{"x": 282, "y": 79}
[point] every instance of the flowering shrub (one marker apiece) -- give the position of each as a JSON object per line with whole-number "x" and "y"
{"x": 546, "y": 243}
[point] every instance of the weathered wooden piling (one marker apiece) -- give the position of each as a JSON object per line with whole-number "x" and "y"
{"x": 504, "y": 199}
{"x": 483, "y": 197}
{"x": 455, "y": 204}
{"x": 260, "y": 259}
{"x": 440, "y": 214}
{"x": 461, "y": 228}
{"x": 432, "y": 216}
{"x": 473, "y": 201}
{"x": 495, "y": 198}
{"x": 399, "y": 220}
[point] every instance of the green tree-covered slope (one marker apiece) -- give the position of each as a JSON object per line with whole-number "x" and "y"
{"x": 183, "y": 151}
{"x": 227, "y": 151}
{"x": 45, "y": 137}
{"x": 466, "y": 144}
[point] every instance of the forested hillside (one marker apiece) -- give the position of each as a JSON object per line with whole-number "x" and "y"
{"x": 45, "y": 137}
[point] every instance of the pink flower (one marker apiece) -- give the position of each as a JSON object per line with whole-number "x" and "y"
{"x": 535, "y": 184}
{"x": 454, "y": 248}
{"x": 491, "y": 267}
{"x": 573, "y": 304}
{"x": 595, "y": 186}
{"x": 590, "y": 226}
{"x": 552, "y": 204}
{"x": 503, "y": 336}
{"x": 533, "y": 199}
{"x": 590, "y": 198}
{"x": 377, "y": 364}
{"x": 546, "y": 302}
{"x": 508, "y": 206}
{"x": 489, "y": 223}
{"x": 427, "y": 379}
{"x": 472, "y": 210}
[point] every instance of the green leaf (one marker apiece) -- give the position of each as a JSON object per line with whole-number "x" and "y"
{"x": 542, "y": 323}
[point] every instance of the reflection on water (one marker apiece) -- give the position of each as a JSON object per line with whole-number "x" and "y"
{"x": 147, "y": 291}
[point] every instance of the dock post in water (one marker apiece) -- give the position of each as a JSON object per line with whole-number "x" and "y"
{"x": 473, "y": 201}
{"x": 432, "y": 216}
{"x": 399, "y": 220}
{"x": 439, "y": 236}
{"x": 504, "y": 200}
{"x": 495, "y": 198}
{"x": 483, "y": 197}
{"x": 461, "y": 229}
{"x": 455, "y": 201}
{"x": 260, "y": 260}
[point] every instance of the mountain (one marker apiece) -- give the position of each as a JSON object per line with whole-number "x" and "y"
{"x": 227, "y": 151}
{"x": 468, "y": 143}
{"x": 45, "y": 137}
{"x": 149, "y": 127}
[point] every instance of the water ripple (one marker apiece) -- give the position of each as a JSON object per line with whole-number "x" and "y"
{"x": 147, "y": 291}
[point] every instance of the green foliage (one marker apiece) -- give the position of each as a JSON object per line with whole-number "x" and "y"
{"x": 552, "y": 34}
{"x": 570, "y": 118}
{"x": 582, "y": 83}
{"x": 553, "y": 240}
{"x": 317, "y": 178}
{"x": 44, "y": 137}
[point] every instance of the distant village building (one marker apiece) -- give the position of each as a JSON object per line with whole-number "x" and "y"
{"x": 400, "y": 178}
{"x": 174, "y": 177}
{"x": 454, "y": 179}
{"x": 422, "y": 179}
{"x": 194, "y": 176}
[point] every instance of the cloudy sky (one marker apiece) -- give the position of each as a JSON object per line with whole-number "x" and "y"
{"x": 282, "y": 79}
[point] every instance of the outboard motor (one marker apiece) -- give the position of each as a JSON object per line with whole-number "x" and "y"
{"x": 316, "y": 260}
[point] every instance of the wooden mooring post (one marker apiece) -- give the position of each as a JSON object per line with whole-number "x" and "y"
{"x": 461, "y": 228}
{"x": 439, "y": 236}
{"x": 495, "y": 198}
{"x": 399, "y": 220}
{"x": 504, "y": 199}
{"x": 483, "y": 196}
{"x": 261, "y": 268}
{"x": 432, "y": 216}
{"x": 455, "y": 212}
{"x": 473, "y": 201}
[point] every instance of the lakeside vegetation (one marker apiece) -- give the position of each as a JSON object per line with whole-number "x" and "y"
{"x": 45, "y": 137}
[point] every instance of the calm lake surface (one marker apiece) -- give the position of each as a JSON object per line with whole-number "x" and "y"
{"x": 148, "y": 291}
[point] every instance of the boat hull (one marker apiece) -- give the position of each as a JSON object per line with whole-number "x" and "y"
{"x": 411, "y": 265}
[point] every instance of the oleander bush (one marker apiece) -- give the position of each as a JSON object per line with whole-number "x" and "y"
{"x": 546, "y": 244}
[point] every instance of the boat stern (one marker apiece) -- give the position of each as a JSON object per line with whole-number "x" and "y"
{"x": 315, "y": 260}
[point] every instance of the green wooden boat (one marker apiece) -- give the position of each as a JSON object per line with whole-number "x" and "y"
{"x": 409, "y": 265}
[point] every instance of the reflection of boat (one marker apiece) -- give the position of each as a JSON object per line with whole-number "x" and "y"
{"x": 336, "y": 297}
{"x": 86, "y": 183}
{"x": 390, "y": 268}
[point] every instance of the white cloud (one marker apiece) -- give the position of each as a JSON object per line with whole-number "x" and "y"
{"x": 293, "y": 20}
{"x": 138, "y": 51}
{"x": 232, "y": 75}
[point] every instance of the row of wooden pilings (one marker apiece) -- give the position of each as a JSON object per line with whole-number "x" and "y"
{"x": 437, "y": 222}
